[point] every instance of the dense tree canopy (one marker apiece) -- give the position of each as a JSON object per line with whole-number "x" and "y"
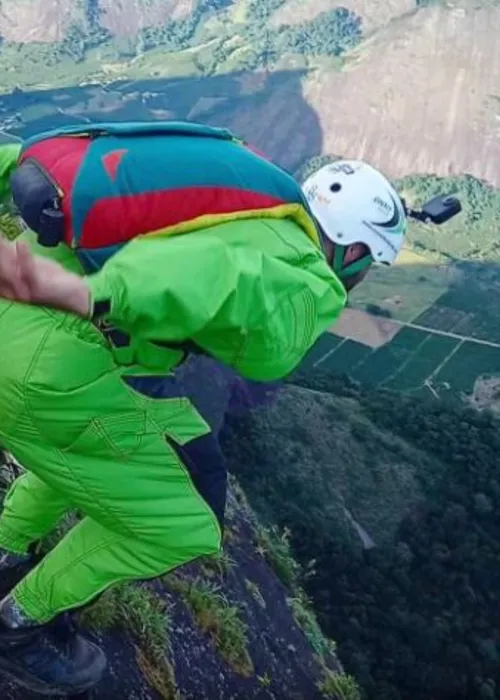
{"x": 417, "y": 619}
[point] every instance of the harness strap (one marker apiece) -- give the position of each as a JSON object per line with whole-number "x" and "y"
{"x": 344, "y": 271}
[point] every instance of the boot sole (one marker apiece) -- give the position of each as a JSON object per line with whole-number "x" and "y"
{"x": 23, "y": 679}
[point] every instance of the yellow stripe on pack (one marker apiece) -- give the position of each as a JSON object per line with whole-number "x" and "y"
{"x": 296, "y": 212}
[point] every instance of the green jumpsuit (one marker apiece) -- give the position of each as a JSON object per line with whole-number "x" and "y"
{"x": 255, "y": 293}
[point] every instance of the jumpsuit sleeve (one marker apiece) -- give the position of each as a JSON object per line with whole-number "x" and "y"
{"x": 9, "y": 154}
{"x": 250, "y": 310}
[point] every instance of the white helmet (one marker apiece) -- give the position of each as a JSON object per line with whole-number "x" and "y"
{"x": 354, "y": 203}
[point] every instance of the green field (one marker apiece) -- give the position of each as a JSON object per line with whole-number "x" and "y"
{"x": 325, "y": 344}
{"x": 415, "y": 361}
{"x": 442, "y": 318}
{"x": 467, "y": 364}
{"x": 430, "y": 353}
{"x": 448, "y": 306}
{"x": 407, "y": 289}
{"x": 470, "y": 308}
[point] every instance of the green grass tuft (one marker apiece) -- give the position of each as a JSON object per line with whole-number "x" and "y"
{"x": 339, "y": 686}
{"x": 137, "y": 610}
{"x": 219, "y": 564}
{"x": 275, "y": 547}
{"x": 145, "y": 617}
{"x": 216, "y": 616}
{"x": 306, "y": 620}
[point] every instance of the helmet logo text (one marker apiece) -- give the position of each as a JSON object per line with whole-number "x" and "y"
{"x": 313, "y": 194}
{"x": 341, "y": 168}
{"x": 383, "y": 204}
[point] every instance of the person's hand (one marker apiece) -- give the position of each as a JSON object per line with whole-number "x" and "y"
{"x": 33, "y": 279}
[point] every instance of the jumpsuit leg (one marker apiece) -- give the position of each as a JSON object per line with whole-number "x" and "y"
{"x": 31, "y": 510}
{"x": 146, "y": 473}
{"x": 153, "y": 520}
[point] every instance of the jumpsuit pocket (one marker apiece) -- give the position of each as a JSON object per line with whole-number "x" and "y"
{"x": 111, "y": 438}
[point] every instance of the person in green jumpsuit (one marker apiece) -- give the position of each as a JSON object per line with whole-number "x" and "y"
{"x": 145, "y": 471}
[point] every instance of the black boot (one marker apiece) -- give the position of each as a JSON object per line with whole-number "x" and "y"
{"x": 51, "y": 659}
